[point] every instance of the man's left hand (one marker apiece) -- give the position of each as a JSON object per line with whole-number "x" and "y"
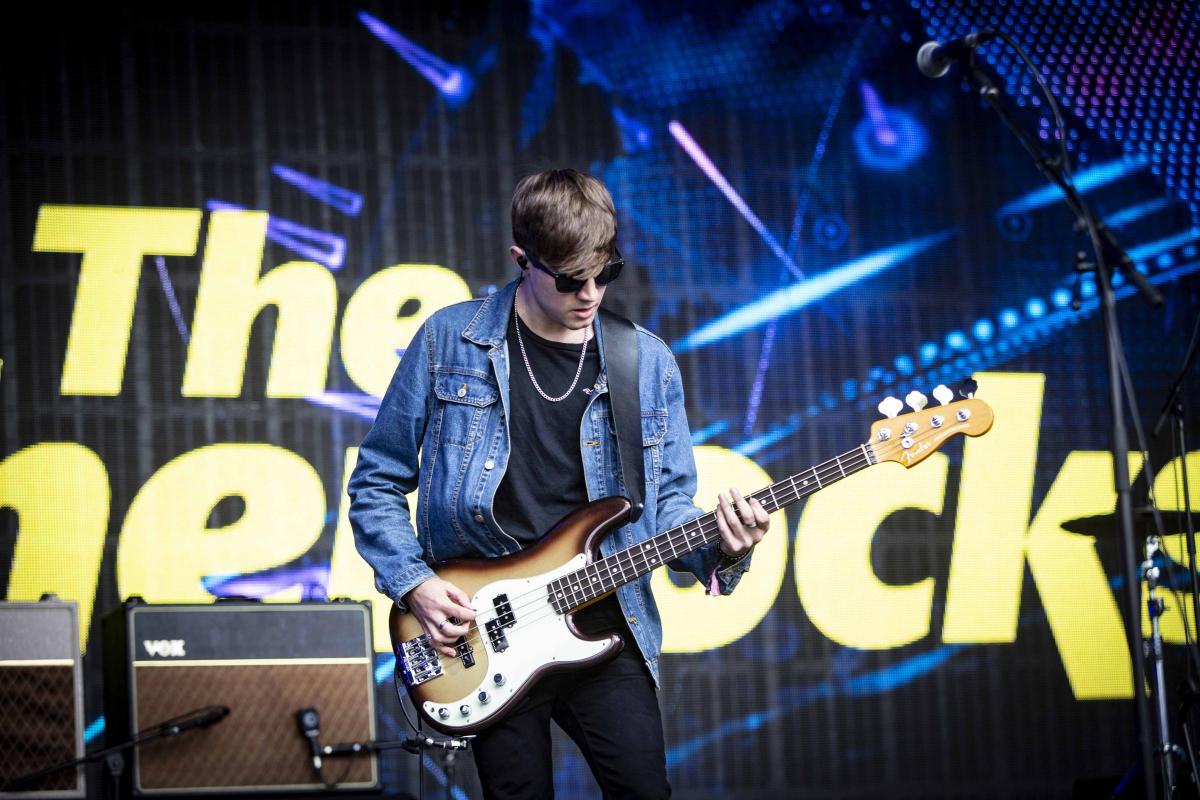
{"x": 741, "y": 522}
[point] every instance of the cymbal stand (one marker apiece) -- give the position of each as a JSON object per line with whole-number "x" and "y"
{"x": 1167, "y": 751}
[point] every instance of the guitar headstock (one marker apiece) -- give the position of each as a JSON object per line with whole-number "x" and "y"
{"x": 909, "y": 439}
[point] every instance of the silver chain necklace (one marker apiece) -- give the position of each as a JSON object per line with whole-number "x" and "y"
{"x": 525, "y": 357}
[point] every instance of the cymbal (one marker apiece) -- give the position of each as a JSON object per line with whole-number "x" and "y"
{"x": 1106, "y": 524}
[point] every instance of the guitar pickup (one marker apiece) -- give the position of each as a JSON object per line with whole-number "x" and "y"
{"x": 504, "y": 619}
{"x": 495, "y": 632}
{"x": 418, "y": 661}
{"x": 466, "y": 653}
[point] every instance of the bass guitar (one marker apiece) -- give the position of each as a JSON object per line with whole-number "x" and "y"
{"x": 525, "y": 602}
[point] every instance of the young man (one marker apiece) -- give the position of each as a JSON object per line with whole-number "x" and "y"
{"x": 506, "y": 401}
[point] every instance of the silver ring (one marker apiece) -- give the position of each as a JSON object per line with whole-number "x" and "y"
{"x": 751, "y": 524}
{"x": 441, "y": 625}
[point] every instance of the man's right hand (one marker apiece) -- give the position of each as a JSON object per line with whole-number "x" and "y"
{"x": 443, "y": 610}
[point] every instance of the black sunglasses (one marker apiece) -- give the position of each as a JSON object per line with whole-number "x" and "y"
{"x": 568, "y": 285}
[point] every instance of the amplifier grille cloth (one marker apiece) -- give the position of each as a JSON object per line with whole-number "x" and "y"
{"x": 37, "y": 723}
{"x": 258, "y": 744}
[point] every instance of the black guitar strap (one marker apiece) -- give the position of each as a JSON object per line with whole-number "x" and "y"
{"x": 621, "y": 364}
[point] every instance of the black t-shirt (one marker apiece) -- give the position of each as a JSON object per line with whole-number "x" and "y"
{"x": 544, "y": 481}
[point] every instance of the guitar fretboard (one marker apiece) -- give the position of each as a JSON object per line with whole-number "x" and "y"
{"x": 604, "y": 575}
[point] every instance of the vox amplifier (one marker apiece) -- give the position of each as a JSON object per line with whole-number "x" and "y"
{"x": 41, "y": 702}
{"x": 264, "y": 661}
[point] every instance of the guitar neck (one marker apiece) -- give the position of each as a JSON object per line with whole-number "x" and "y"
{"x": 604, "y": 575}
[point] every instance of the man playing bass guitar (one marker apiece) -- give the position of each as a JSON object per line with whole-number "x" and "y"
{"x": 506, "y": 402}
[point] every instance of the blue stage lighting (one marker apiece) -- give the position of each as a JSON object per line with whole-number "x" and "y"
{"x": 798, "y": 295}
{"x": 1089, "y": 179}
{"x": 1009, "y": 318}
{"x": 453, "y": 83}
{"x": 343, "y": 200}
{"x": 904, "y": 365}
{"x": 983, "y": 329}
{"x": 957, "y": 340}
{"x": 710, "y": 169}
{"x": 316, "y": 245}
{"x": 635, "y": 134}
{"x": 93, "y": 729}
{"x": 1036, "y": 307}
{"x": 929, "y": 353}
{"x": 886, "y": 138}
{"x": 1061, "y": 298}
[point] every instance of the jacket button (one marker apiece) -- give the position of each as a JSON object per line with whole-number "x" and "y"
{"x": 479, "y": 517}
{"x": 462, "y": 390}
{"x": 489, "y": 464}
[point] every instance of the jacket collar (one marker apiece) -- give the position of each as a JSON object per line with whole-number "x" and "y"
{"x": 489, "y": 326}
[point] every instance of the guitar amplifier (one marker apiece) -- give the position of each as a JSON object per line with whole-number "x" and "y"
{"x": 264, "y": 661}
{"x": 41, "y": 701}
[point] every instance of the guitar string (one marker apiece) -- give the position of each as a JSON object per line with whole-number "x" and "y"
{"x": 704, "y": 529}
{"x": 704, "y": 524}
{"x": 707, "y": 527}
{"x": 829, "y": 474}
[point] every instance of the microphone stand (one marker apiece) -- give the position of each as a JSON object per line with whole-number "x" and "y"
{"x": 114, "y": 756}
{"x": 1107, "y": 250}
{"x": 412, "y": 744}
{"x": 1174, "y": 409}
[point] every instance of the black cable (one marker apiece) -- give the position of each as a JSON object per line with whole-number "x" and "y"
{"x": 1054, "y": 109}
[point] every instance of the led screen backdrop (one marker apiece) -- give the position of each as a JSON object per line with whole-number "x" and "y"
{"x": 221, "y": 223}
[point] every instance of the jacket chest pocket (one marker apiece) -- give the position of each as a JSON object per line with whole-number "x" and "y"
{"x": 463, "y": 401}
{"x": 654, "y": 430}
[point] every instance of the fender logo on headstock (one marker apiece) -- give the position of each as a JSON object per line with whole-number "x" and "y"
{"x": 917, "y": 449}
{"x": 910, "y": 439}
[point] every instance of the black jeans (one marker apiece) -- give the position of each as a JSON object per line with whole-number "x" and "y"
{"x": 610, "y": 711}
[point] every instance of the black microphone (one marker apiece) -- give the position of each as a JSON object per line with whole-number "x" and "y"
{"x": 200, "y": 718}
{"x": 309, "y": 723}
{"x": 934, "y": 58}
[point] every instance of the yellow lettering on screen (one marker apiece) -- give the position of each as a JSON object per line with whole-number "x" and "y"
{"x": 693, "y": 621}
{"x": 61, "y": 495}
{"x": 373, "y": 331}
{"x": 841, "y": 593}
{"x": 1080, "y": 606}
{"x": 1168, "y": 490}
{"x": 166, "y": 549}
{"x": 993, "y": 541}
{"x": 113, "y": 242}
{"x": 349, "y": 574}
{"x": 994, "y": 499}
{"x": 233, "y": 291}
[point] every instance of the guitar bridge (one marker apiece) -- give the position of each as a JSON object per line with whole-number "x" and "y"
{"x": 419, "y": 661}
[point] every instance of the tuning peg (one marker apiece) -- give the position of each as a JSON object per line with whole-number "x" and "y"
{"x": 916, "y": 401}
{"x": 943, "y": 394}
{"x": 967, "y": 388}
{"x": 890, "y": 407}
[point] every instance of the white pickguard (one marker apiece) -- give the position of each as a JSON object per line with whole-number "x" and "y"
{"x": 539, "y": 636}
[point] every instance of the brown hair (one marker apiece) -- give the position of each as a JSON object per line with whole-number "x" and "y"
{"x": 565, "y": 219}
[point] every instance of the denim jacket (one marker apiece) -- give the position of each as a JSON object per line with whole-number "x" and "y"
{"x": 448, "y": 401}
